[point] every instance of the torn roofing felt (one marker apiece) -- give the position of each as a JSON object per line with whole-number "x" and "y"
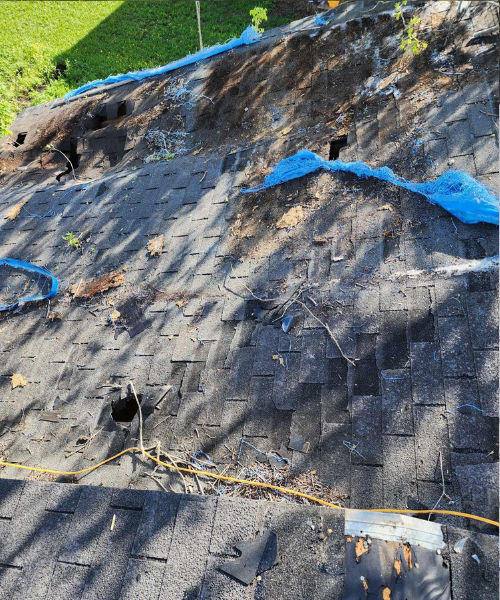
{"x": 455, "y": 191}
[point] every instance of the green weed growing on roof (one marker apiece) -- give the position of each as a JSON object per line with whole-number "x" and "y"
{"x": 258, "y": 15}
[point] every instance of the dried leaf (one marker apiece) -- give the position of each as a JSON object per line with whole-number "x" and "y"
{"x": 286, "y": 130}
{"x": 365, "y": 584}
{"x": 155, "y": 246}
{"x": 386, "y": 594}
{"x": 114, "y": 316}
{"x": 91, "y": 287}
{"x": 279, "y": 359}
{"x": 291, "y": 218}
{"x": 18, "y": 380}
{"x": 360, "y": 548}
{"x": 397, "y": 567}
{"x": 386, "y": 207}
{"x": 407, "y": 555}
{"x": 319, "y": 240}
{"x": 15, "y": 210}
{"x": 54, "y": 315}
{"x": 181, "y": 303}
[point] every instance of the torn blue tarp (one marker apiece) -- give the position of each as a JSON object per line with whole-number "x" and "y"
{"x": 29, "y": 268}
{"x": 455, "y": 191}
{"x": 321, "y": 20}
{"x": 249, "y": 36}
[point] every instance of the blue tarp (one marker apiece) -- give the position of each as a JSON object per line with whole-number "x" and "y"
{"x": 29, "y": 268}
{"x": 249, "y": 36}
{"x": 458, "y": 193}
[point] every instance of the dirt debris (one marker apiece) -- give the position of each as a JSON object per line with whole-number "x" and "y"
{"x": 15, "y": 210}
{"x": 291, "y": 218}
{"x": 155, "y": 246}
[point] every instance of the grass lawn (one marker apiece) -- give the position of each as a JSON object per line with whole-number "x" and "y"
{"x": 49, "y": 48}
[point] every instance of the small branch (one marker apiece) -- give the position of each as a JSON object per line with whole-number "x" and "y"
{"x": 330, "y": 333}
{"x": 70, "y": 163}
{"x": 171, "y": 459}
{"x": 140, "y": 419}
{"x": 444, "y": 494}
{"x": 157, "y": 481}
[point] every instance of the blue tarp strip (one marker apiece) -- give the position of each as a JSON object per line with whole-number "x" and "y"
{"x": 249, "y": 36}
{"x": 455, "y": 191}
{"x": 19, "y": 264}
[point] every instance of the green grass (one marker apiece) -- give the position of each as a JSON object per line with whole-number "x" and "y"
{"x": 92, "y": 40}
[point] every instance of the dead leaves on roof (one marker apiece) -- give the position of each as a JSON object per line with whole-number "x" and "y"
{"x": 15, "y": 210}
{"x": 291, "y": 218}
{"x": 18, "y": 380}
{"x": 91, "y": 287}
{"x": 279, "y": 359}
{"x": 155, "y": 246}
{"x": 407, "y": 555}
{"x": 397, "y": 567}
{"x": 360, "y": 548}
{"x": 114, "y": 316}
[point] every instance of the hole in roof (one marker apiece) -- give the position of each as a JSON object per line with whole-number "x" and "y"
{"x": 123, "y": 410}
{"x": 20, "y": 139}
{"x": 336, "y": 145}
{"x": 122, "y": 109}
{"x": 74, "y": 159}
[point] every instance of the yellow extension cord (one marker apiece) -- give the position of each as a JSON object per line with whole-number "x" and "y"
{"x": 254, "y": 483}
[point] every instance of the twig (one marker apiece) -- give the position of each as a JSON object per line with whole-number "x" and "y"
{"x": 70, "y": 163}
{"x": 489, "y": 114}
{"x": 330, "y": 333}
{"x": 162, "y": 421}
{"x": 444, "y": 494}
{"x": 140, "y": 419}
{"x": 170, "y": 458}
{"x": 199, "y": 485}
{"x": 157, "y": 481}
{"x": 158, "y": 452}
{"x": 87, "y": 443}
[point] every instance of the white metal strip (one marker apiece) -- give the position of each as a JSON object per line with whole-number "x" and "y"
{"x": 394, "y": 528}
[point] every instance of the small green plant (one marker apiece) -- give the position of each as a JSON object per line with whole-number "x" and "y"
{"x": 409, "y": 39}
{"x": 258, "y": 15}
{"x": 399, "y": 10}
{"x": 71, "y": 240}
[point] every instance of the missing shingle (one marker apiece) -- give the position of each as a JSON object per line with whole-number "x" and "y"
{"x": 20, "y": 139}
{"x": 74, "y": 159}
{"x": 124, "y": 408}
{"x": 336, "y": 146}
